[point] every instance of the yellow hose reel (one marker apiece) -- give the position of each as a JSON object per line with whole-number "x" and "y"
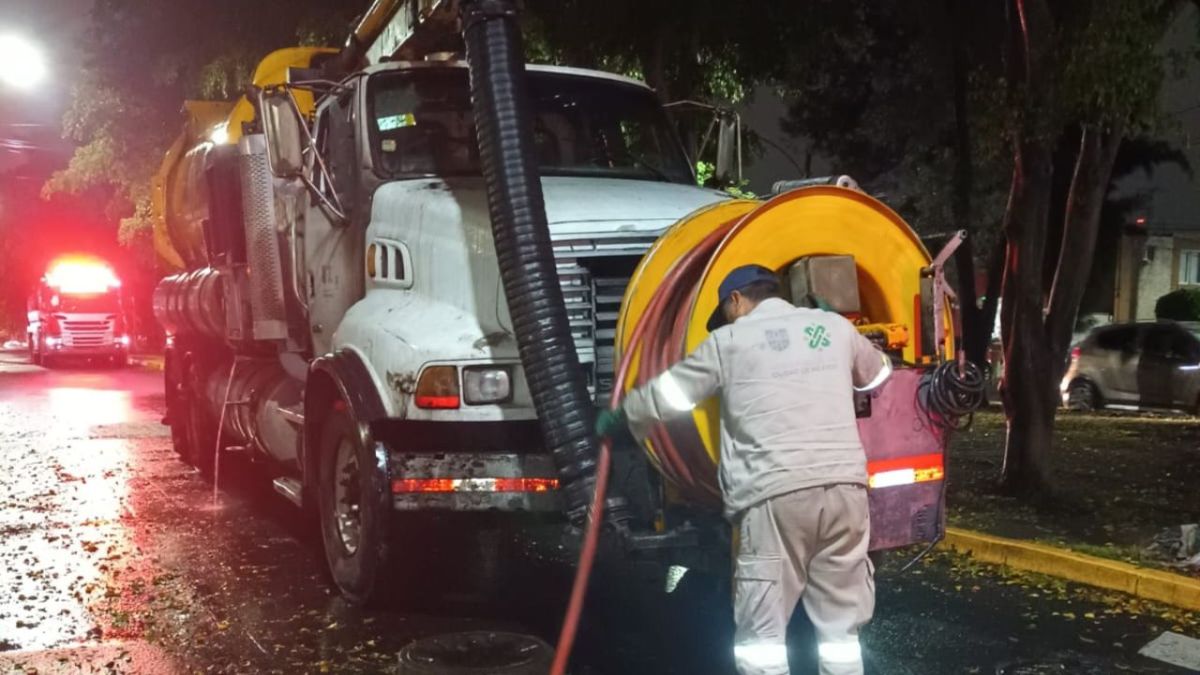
{"x": 888, "y": 258}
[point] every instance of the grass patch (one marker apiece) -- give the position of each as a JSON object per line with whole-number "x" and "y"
{"x": 1120, "y": 480}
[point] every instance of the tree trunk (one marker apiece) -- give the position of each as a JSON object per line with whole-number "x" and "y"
{"x": 654, "y": 68}
{"x": 975, "y": 333}
{"x": 1081, "y": 226}
{"x": 1028, "y": 393}
{"x": 976, "y": 330}
{"x": 1027, "y": 469}
{"x": 991, "y": 298}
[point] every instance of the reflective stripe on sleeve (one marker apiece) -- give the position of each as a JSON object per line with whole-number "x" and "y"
{"x": 883, "y": 374}
{"x": 673, "y": 394}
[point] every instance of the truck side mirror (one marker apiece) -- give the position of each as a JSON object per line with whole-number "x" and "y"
{"x": 283, "y": 127}
{"x": 729, "y": 148}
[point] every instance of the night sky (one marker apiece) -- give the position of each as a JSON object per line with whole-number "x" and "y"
{"x": 1176, "y": 201}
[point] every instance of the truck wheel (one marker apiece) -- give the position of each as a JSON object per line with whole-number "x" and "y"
{"x": 34, "y": 357}
{"x": 355, "y": 508}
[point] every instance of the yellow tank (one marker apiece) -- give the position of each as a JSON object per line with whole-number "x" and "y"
{"x": 888, "y": 258}
{"x": 178, "y": 190}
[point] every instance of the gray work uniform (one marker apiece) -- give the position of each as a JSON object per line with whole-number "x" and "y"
{"x": 793, "y": 473}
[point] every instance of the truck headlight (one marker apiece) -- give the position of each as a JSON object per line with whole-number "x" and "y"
{"x": 486, "y": 384}
{"x": 123, "y": 341}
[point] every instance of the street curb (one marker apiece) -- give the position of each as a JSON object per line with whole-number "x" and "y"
{"x": 1172, "y": 589}
{"x": 155, "y": 363}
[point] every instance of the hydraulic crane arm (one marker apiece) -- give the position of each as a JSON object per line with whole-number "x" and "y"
{"x": 404, "y": 30}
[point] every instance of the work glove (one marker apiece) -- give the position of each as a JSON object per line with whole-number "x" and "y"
{"x": 609, "y": 421}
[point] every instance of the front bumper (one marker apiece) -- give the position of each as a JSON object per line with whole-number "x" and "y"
{"x": 88, "y": 351}
{"x": 473, "y": 482}
{"x": 468, "y": 466}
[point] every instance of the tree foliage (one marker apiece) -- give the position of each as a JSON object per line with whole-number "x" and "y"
{"x": 144, "y": 58}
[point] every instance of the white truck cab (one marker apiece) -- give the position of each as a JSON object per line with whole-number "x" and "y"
{"x": 430, "y": 325}
{"x": 348, "y": 315}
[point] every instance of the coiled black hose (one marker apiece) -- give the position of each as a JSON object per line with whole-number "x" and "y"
{"x": 522, "y": 236}
{"x": 951, "y": 393}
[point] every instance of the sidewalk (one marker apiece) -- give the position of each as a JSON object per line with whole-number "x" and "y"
{"x": 1121, "y": 480}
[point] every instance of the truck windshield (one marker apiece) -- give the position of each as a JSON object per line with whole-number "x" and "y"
{"x": 90, "y": 302}
{"x": 422, "y": 124}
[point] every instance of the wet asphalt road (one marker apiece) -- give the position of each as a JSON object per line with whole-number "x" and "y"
{"x": 114, "y": 558}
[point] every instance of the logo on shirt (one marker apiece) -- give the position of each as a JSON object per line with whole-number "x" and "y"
{"x": 777, "y": 339}
{"x": 817, "y": 337}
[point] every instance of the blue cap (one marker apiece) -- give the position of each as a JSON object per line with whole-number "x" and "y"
{"x": 736, "y": 280}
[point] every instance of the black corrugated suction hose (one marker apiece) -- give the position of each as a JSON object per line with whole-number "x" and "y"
{"x": 522, "y": 236}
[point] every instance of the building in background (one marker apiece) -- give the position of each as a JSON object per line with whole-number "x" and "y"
{"x": 1151, "y": 262}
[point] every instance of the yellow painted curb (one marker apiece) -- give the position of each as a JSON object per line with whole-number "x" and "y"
{"x": 1173, "y": 589}
{"x": 155, "y": 363}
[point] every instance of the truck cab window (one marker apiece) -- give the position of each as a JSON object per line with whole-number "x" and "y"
{"x": 422, "y": 124}
{"x": 337, "y": 122}
{"x": 321, "y": 140}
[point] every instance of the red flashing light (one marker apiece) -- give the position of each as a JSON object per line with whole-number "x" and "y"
{"x": 1140, "y": 220}
{"x": 81, "y": 276}
{"x": 1075, "y": 353}
{"x": 449, "y": 485}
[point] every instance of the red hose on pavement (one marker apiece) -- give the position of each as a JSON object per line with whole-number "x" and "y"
{"x": 682, "y": 459}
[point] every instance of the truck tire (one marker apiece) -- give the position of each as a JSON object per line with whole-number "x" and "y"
{"x": 354, "y": 504}
{"x": 34, "y": 356}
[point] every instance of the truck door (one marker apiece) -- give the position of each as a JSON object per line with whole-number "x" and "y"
{"x": 332, "y": 249}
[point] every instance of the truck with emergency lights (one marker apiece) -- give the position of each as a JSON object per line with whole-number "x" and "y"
{"x": 76, "y": 312}
{"x": 352, "y": 309}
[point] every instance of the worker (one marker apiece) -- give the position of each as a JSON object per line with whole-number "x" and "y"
{"x": 793, "y": 471}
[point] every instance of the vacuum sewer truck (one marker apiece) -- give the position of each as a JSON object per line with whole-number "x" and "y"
{"x": 344, "y": 312}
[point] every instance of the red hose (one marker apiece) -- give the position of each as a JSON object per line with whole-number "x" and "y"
{"x": 682, "y": 458}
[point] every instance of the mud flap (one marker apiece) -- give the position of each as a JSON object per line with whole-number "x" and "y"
{"x": 906, "y": 463}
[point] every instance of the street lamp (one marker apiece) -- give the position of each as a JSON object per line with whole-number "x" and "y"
{"x": 22, "y": 64}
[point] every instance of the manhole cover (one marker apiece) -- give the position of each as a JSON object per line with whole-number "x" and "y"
{"x": 476, "y": 652}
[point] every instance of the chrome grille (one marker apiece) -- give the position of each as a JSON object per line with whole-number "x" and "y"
{"x": 608, "y": 293}
{"x": 576, "y": 283}
{"x": 594, "y": 302}
{"x": 84, "y": 326}
{"x": 87, "y": 332}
